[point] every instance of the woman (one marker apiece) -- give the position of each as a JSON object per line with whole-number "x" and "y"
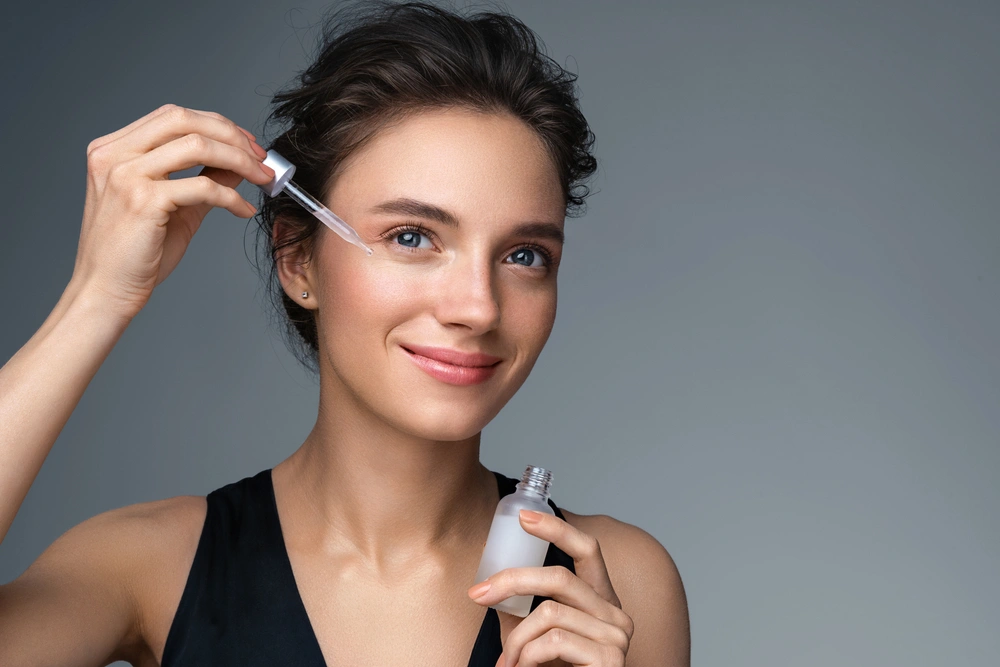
{"x": 456, "y": 150}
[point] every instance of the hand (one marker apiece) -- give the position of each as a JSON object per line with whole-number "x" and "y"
{"x": 137, "y": 222}
{"x": 583, "y": 623}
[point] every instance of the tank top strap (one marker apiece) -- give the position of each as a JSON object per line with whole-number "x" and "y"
{"x": 240, "y": 605}
{"x": 488, "y": 646}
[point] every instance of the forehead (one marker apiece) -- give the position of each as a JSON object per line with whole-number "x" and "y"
{"x": 468, "y": 161}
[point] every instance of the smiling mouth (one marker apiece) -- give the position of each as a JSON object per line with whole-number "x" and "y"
{"x": 450, "y": 373}
{"x": 454, "y": 357}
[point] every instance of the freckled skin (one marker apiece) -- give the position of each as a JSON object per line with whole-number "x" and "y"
{"x": 460, "y": 289}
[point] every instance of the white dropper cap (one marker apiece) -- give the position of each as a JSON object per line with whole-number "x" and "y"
{"x": 283, "y": 172}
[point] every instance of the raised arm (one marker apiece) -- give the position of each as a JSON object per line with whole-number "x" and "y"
{"x": 76, "y": 605}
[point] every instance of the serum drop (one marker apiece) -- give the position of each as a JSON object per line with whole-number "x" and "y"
{"x": 508, "y": 544}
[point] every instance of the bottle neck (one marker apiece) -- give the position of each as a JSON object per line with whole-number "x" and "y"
{"x": 535, "y": 483}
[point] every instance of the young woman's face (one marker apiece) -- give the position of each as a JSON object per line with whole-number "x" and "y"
{"x": 464, "y": 213}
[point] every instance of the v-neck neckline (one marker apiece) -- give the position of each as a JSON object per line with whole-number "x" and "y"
{"x": 488, "y": 637}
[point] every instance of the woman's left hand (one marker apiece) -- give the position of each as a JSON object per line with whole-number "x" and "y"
{"x": 583, "y": 623}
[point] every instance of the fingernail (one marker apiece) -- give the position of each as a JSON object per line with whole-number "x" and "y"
{"x": 531, "y": 516}
{"x": 479, "y": 589}
{"x": 267, "y": 170}
{"x": 261, "y": 153}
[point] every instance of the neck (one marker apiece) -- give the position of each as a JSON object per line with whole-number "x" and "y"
{"x": 389, "y": 498}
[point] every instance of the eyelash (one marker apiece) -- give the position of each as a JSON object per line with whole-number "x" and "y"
{"x": 396, "y": 231}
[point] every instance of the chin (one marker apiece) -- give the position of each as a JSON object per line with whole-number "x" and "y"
{"x": 445, "y": 422}
{"x": 424, "y": 408}
{"x": 421, "y": 416}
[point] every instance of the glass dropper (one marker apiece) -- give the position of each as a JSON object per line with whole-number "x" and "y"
{"x": 282, "y": 181}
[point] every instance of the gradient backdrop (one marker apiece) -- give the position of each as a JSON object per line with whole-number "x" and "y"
{"x": 778, "y": 340}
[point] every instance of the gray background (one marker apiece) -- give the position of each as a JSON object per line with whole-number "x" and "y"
{"x": 777, "y": 340}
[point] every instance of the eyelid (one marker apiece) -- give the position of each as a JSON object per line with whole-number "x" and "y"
{"x": 407, "y": 227}
{"x": 549, "y": 256}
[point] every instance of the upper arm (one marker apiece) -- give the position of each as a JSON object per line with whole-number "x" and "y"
{"x": 650, "y": 590}
{"x": 78, "y": 603}
{"x": 655, "y": 598}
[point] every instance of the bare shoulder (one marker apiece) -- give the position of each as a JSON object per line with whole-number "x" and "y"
{"x": 151, "y": 547}
{"x": 162, "y": 537}
{"x": 649, "y": 586}
{"x": 102, "y": 582}
{"x": 139, "y": 537}
{"x": 167, "y": 518}
{"x": 124, "y": 543}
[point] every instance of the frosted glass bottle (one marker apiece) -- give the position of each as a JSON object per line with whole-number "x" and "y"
{"x": 508, "y": 544}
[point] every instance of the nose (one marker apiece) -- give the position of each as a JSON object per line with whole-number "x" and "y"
{"x": 468, "y": 296}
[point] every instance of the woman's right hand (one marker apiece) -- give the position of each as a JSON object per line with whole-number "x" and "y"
{"x": 137, "y": 222}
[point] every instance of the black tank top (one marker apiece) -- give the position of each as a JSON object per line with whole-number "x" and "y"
{"x": 241, "y": 606}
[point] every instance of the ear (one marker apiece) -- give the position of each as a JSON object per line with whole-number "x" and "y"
{"x": 294, "y": 265}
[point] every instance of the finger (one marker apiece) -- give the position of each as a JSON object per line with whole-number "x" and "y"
{"x": 202, "y": 193}
{"x": 179, "y": 122}
{"x": 557, "y": 644}
{"x": 117, "y": 134}
{"x": 197, "y": 149}
{"x": 551, "y": 614}
{"x": 583, "y": 548}
{"x": 553, "y": 581}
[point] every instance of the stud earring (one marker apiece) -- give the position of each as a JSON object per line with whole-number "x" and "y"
{"x": 305, "y": 295}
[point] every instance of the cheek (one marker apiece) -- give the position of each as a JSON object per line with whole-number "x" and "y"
{"x": 529, "y": 320}
{"x": 362, "y": 301}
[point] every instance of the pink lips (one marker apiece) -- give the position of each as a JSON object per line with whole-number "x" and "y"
{"x": 453, "y": 366}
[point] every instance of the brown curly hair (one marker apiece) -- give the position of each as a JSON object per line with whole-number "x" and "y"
{"x": 379, "y": 62}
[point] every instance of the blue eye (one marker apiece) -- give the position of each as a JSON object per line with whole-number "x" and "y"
{"x": 410, "y": 238}
{"x": 528, "y": 255}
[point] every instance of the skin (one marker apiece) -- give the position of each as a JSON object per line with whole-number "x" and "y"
{"x": 369, "y": 542}
{"x": 358, "y": 485}
{"x": 384, "y": 424}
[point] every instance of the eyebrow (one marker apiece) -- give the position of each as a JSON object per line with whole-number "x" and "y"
{"x": 421, "y": 209}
